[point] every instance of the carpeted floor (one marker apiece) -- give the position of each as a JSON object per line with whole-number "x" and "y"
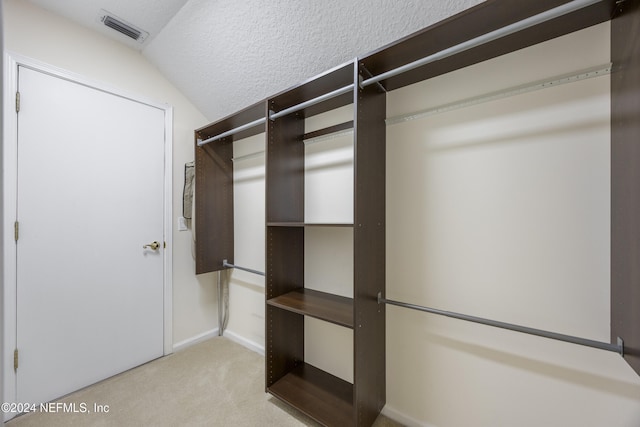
{"x": 214, "y": 383}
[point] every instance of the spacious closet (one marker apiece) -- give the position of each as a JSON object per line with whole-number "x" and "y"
{"x": 419, "y": 162}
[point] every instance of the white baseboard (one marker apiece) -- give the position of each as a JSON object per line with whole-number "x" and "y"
{"x": 251, "y": 345}
{"x": 195, "y": 340}
{"x": 403, "y": 419}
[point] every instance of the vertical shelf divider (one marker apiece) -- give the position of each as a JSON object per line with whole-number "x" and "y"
{"x": 369, "y": 251}
{"x": 289, "y": 377}
{"x": 214, "y": 205}
{"x": 625, "y": 198}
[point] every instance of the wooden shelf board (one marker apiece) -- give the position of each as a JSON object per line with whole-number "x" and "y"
{"x": 328, "y": 307}
{"x": 322, "y": 396}
{"x": 328, "y": 130}
{"x": 309, "y": 224}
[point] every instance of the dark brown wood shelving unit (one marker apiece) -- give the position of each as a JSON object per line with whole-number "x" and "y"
{"x": 289, "y": 377}
{"x": 326, "y": 398}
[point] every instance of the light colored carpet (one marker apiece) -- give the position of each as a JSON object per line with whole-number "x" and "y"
{"x": 213, "y": 383}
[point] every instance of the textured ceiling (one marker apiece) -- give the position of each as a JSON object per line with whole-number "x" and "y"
{"x": 225, "y": 55}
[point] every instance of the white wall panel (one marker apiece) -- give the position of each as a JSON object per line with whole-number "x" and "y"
{"x": 502, "y": 210}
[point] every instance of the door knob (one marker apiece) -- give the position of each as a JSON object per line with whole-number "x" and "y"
{"x": 153, "y": 246}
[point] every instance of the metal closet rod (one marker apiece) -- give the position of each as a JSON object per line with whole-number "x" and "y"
{"x": 250, "y": 270}
{"x": 492, "y": 96}
{"x": 233, "y": 131}
{"x": 453, "y": 50}
{"x": 274, "y": 115}
{"x": 540, "y": 18}
{"x": 616, "y": 348}
{"x": 311, "y": 102}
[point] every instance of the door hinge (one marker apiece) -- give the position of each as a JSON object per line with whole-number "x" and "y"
{"x": 15, "y": 359}
{"x": 17, "y": 102}
{"x": 16, "y": 230}
{"x": 165, "y": 245}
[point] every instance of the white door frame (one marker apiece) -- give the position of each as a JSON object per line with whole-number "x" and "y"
{"x": 11, "y": 63}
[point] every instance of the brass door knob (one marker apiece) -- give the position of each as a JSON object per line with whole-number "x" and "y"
{"x": 153, "y": 246}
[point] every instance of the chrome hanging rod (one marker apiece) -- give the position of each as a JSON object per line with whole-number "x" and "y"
{"x": 309, "y": 103}
{"x": 616, "y": 348}
{"x": 321, "y": 138}
{"x": 505, "y": 93}
{"x": 220, "y": 307}
{"x": 250, "y": 270}
{"x": 233, "y": 131}
{"x": 556, "y": 12}
{"x": 548, "y": 15}
{"x": 274, "y": 115}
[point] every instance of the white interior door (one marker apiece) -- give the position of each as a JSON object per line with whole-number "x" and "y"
{"x": 90, "y": 195}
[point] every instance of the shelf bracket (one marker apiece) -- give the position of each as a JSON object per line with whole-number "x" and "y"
{"x": 620, "y": 343}
{"x": 369, "y": 75}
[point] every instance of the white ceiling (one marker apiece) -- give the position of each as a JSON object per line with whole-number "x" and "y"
{"x": 225, "y": 55}
{"x": 148, "y": 15}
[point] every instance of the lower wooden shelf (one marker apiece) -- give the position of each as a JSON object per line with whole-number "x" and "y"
{"x": 322, "y": 396}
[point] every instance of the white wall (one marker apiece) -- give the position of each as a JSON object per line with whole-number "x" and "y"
{"x": 502, "y": 210}
{"x": 499, "y": 210}
{"x": 246, "y": 290}
{"x": 35, "y": 33}
{"x": 328, "y": 261}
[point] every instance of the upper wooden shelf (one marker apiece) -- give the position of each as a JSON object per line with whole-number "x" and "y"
{"x": 309, "y": 224}
{"x": 329, "y": 130}
{"x": 328, "y": 307}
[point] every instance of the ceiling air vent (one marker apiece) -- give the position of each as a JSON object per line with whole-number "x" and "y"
{"x": 121, "y": 26}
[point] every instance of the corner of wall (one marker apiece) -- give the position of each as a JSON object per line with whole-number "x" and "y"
{"x": 251, "y": 345}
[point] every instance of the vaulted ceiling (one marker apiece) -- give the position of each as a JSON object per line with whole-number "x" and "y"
{"x": 225, "y": 55}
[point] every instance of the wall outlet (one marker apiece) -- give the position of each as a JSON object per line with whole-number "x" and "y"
{"x": 182, "y": 224}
